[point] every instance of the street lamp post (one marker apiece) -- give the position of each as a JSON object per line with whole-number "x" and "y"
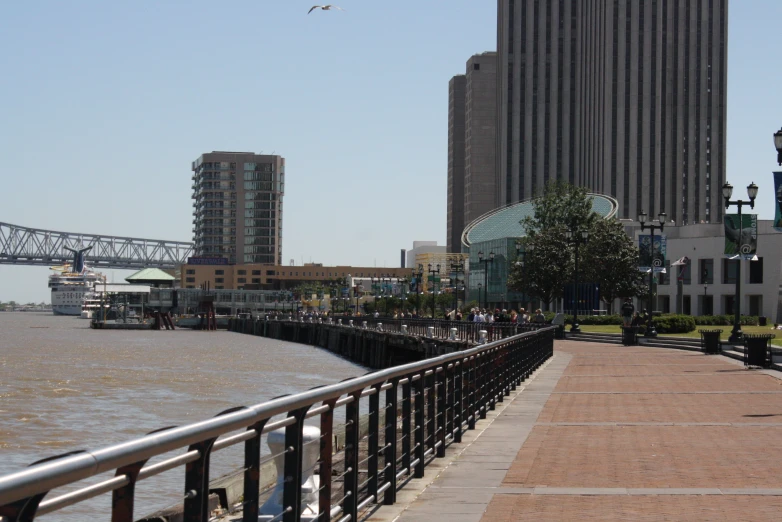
{"x": 778, "y": 145}
{"x": 433, "y": 273}
{"x": 737, "y": 335}
{"x": 650, "y": 331}
{"x": 480, "y": 286}
{"x": 417, "y": 275}
{"x": 577, "y": 239}
{"x": 521, "y": 259}
{"x": 486, "y": 262}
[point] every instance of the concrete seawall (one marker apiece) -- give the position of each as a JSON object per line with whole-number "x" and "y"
{"x": 368, "y": 347}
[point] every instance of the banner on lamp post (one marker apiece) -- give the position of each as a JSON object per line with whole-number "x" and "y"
{"x": 652, "y": 253}
{"x": 741, "y": 238}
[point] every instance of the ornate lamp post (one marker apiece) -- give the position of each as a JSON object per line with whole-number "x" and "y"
{"x": 480, "y": 287}
{"x": 650, "y": 331}
{"x": 521, "y": 257}
{"x": 737, "y": 335}
{"x": 486, "y": 262}
{"x": 778, "y": 145}
{"x": 577, "y": 239}
{"x": 433, "y": 273}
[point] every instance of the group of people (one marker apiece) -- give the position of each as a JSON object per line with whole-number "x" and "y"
{"x": 632, "y": 318}
{"x": 478, "y": 315}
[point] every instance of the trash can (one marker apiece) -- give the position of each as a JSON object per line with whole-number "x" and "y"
{"x": 762, "y": 321}
{"x": 756, "y": 352}
{"x": 629, "y": 335}
{"x": 710, "y": 341}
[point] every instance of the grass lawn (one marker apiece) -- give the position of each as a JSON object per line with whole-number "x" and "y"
{"x": 694, "y": 334}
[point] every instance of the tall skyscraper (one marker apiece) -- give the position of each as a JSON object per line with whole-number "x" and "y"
{"x": 237, "y": 206}
{"x": 624, "y": 97}
{"x": 472, "y": 115}
{"x": 455, "y": 162}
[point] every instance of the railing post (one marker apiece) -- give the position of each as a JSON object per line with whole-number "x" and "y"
{"x": 431, "y": 412}
{"x": 389, "y": 475}
{"x": 352, "y": 437}
{"x": 196, "y": 508}
{"x": 458, "y": 400}
{"x": 450, "y": 405}
{"x": 373, "y": 441}
{"x": 420, "y": 427}
{"x": 407, "y": 411}
{"x": 326, "y": 462}
{"x": 252, "y": 473}
{"x": 441, "y": 386}
{"x": 471, "y": 386}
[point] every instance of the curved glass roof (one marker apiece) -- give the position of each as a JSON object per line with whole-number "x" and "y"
{"x": 505, "y": 222}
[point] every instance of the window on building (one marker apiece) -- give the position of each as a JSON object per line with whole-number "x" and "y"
{"x": 756, "y": 272}
{"x": 756, "y": 305}
{"x": 270, "y": 272}
{"x": 218, "y": 288}
{"x": 190, "y": 271}
{"x": 190, "y": 280}
{"x": 256, "y": 280}
{"x": 687, "y": 274}
{"x": 706, "y": 270}
{"x": 707, "y": 304}
{"x": 476, "y": 67}
{"x": 242, "y": 280}
{"x": 729, "y": 271}
{"x": 241, "y": 272}
{"x": 219, "y": 280}
{"x": 219, "y": 272}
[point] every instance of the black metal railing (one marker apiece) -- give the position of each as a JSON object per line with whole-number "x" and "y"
{"x": 465, "y": 330}
{"x": 416, "y": 411}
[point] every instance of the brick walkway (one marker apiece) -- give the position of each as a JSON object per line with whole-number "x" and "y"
{"x": 617, "y": 433}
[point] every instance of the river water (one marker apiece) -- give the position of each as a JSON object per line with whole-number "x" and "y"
{"x": 65, "y": 387}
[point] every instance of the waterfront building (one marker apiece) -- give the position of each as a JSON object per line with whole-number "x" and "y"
{"x": 624, "y": 97}
{"x": 422, "y": 247}
{"x": 472, "y": 109}
{"x": 498, "y": 232}
{"x": 237, "y": 207}
{"x": 278, "y": 277}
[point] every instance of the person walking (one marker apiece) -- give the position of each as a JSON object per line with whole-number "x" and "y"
{"x": 627, "y": 311}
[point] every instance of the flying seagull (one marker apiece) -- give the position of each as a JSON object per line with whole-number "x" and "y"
{"x": 324, "y": 7}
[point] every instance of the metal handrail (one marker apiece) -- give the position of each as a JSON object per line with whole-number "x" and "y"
{"x": 479, "y": 377}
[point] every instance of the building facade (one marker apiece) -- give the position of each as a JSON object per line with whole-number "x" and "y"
{"x": 624, "y": 97}
{"x": 279, "y": 277}
{"x": 472, "y": 110}
{"x": 237, "y": 207}
{"x": 456, "y": 115}
{"x": 707, "y": 285}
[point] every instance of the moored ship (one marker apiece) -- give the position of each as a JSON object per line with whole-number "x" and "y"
{"x": 72, "y": 285}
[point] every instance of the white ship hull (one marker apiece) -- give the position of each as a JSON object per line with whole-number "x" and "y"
{"x": 70, "y": 291}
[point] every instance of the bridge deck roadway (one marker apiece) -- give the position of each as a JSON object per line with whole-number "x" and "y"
{"x": 605, "y": 432}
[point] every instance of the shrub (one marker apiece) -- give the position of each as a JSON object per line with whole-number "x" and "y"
{"x": 674, "y": 323}
{"x": 725, "y": 320}
{"x": 596, "y": 319}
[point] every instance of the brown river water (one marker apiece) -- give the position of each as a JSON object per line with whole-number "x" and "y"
{"x": 65, "y": 387}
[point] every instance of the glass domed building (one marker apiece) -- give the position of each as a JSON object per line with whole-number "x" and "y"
{"x": 497, "y": 233}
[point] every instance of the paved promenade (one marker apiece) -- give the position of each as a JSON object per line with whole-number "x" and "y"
{"x": 616, "y": 433}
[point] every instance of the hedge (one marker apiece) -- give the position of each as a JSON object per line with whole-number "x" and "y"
{"x": 674, "y": 323}
{"x": 725, "y": 320}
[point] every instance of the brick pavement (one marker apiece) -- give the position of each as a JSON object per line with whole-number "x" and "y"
{"x": 616, "y": 433}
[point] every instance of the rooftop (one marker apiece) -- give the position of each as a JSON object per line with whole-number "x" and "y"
{"x": 506, "y": 221}
{"x": 150, "y": 274}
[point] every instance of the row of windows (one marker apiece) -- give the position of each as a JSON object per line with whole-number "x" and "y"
{"x": 258, "y": 232}
{"x": 258, "y": 204}
{"x": 259, "y": 176}
{"x": 266, "y": 223}
{"x": 267, "y": 214}
{"x": 259, "y": 167}
{"x": 706, "y": 272}
{"x": 259, "y": 196}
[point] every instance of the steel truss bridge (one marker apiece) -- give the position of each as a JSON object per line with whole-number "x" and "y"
{"x": 31, "y": 246}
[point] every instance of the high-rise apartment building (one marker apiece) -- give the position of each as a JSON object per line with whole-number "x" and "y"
{"x": 625, "y": 97}
{"x": 237, "y": 202}
{"x": 472, "y": 114}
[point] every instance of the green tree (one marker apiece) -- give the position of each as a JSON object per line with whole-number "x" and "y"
{"x": 611, "y": 260}
{"x": 609, "y": 257}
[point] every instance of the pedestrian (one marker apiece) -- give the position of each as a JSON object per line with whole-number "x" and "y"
{"x": 627, "y": 311}
{"x": 539, "y": 317}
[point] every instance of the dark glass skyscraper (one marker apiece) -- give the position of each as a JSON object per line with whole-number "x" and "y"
{"x": 624, "y": 97}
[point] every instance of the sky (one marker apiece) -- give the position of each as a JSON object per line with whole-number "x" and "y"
{"x": 104, "y": 105}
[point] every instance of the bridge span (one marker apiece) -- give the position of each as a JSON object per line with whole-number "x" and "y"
{"x": 31, "y": 246}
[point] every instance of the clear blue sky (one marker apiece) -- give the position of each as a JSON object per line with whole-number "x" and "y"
{"x": 105, "y": 104}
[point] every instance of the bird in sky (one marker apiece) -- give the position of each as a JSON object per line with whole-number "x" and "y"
{"x": 328, "y": 7}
